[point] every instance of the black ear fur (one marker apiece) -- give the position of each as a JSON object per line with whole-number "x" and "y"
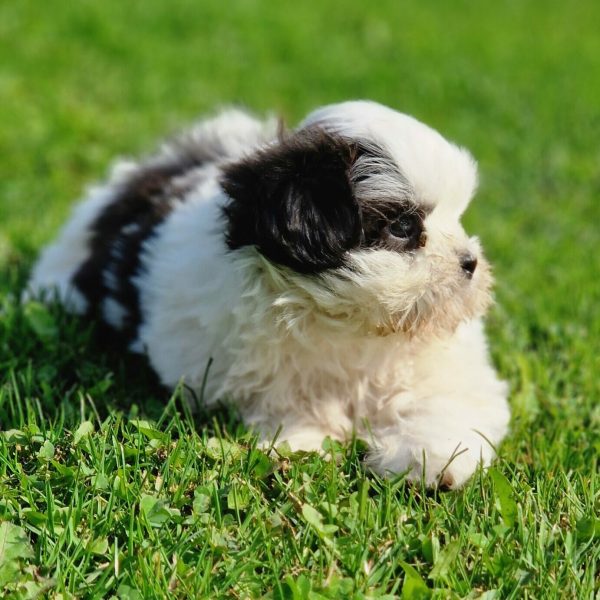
{"x": 294, "y": 201}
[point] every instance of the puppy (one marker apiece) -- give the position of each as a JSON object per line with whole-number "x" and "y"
{"x": 323, "y": 270}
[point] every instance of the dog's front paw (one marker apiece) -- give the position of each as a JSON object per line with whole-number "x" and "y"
{"x": 446, "y": 462}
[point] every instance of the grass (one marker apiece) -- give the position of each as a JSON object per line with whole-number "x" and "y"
{"x": 110, "y": 488}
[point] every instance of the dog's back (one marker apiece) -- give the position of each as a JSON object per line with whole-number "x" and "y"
{"x": 92, "y": 266}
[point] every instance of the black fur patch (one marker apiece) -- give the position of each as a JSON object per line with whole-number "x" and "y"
{"x": 116, "y": 242}
{"x": 294, "y": 202}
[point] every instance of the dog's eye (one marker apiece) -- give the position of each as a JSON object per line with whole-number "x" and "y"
{"x": 405, "y": 227}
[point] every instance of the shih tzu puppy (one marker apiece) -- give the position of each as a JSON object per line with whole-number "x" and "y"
{"x": 324, "y": 271}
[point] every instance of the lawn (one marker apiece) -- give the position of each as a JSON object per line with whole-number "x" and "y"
{"x": 109, "y": 487}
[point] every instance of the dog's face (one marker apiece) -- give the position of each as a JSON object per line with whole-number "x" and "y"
{"x": 361, "y": 205}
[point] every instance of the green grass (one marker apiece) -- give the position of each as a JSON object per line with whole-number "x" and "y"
{"x": 108, "y": 488}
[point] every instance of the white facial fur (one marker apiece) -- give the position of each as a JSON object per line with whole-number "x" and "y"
{"x": 421, "y": 291}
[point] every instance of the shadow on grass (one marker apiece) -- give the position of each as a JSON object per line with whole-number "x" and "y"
{"x": 56, "y": 366}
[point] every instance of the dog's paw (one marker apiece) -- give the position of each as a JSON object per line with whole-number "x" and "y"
{"x": 445, "y": 463}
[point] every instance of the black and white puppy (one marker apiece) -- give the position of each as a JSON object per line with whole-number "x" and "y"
{"x": 324, "y": 270}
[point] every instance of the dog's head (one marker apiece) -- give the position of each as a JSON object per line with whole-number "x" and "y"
{"x": 360, "y": 207}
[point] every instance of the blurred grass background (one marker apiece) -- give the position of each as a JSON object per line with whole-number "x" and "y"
{"x": 516, "y": 82}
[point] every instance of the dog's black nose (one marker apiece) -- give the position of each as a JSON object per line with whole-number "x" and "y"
{"x": 468, "y": 263}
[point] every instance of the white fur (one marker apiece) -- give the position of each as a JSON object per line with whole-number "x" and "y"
{"x": 391, "y": 348}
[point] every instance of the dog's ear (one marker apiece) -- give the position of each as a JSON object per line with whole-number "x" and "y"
{"x": 293, "y": 201}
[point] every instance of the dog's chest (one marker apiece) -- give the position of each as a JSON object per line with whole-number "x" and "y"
{"x": 360, "y": 378}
